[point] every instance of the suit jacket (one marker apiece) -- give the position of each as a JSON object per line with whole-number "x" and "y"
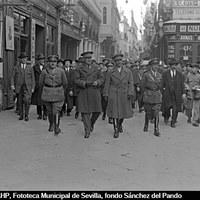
{"x": 18, "y": 77}
{"x": 179, "y": 89}
{"x": 36, "y": 97}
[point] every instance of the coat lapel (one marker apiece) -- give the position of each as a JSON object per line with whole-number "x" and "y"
{"x": 116, "y": 73}
{"x": 123, "y": 73}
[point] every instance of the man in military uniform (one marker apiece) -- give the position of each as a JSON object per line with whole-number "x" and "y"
{"x": 119, "y": 92}
{"x": 53, "y": 81}
{"x": 23, "y": 83}
{"x": 152, "y": 97}
{"x": 89, "y": 78}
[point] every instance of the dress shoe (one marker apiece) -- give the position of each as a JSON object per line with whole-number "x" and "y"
{"x": 44, "y": 117}
{"x": 145, "y": 128}
{"x": 173, "y": 125}
{"x": 68, "y": 114}
{"x": 110, "y": 120}
{"x": 157, "y": 133}
{"x": 50, "y": 128}
{"x": 26, "y": 118}
{"x": 39, "y": 117}
{"x": 120, "y": 129}
{"x": 57, "y": 131}
{"x": 92, "y": 127}
{"x": 76, "y": 115}
{"x": 87, "y": 135}
{"x": 166, "y": 120}
{"x": 195, "y": 124}
{"x": 104, "y": 116}
{"x": 21, "y": 118}
{"x": 116, "y": 134}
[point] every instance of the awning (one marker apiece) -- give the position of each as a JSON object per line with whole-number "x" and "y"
{"x": 179, "y": 21}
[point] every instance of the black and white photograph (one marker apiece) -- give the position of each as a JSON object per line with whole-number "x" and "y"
{"x": 99, "y": 99}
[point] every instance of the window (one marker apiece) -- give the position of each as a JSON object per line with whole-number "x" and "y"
{"x": 104, "y": 15}
{"x": 24, "y": 25}
{"x": 50, "y": 39}
{"x": 16, "y": 22}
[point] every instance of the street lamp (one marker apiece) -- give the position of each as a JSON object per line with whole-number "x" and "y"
{"x": 160, "y": 24}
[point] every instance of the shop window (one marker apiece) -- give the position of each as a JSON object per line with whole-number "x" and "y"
{"x": 104, "y": 15}
{"x": 24, "y": 25}
{"x": 16, "y": 22}
{"x": 50, "y": 39}
{"x": 186, "y": 52}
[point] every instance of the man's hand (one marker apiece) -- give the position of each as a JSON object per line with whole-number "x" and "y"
{"x": 106, "y": 98}
{"x": 12, "y": 87}
{"x": 32, "y": 90}
{"x": 138, "y": 89}
{"x": 71, "y": 93}
{"x": 184, "y": 96}
{"x": 95, "y": 83}
{"x": 88, "y": 84}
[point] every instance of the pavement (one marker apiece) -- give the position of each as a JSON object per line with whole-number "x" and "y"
{"x": 31, "y": 158}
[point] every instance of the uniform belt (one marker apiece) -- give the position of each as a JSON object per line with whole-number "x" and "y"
{"x": 52, "y": 86}
{"x": 153, "y": 90}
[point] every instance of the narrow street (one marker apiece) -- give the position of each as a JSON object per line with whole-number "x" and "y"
{"x": 34, "y": 159}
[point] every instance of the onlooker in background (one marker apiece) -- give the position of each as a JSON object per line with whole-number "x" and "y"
{"x": 173, "y": 91}
{"x": 60, "y": 63}
{"x": 36, "y": 96}
{"x": 69, "y": 90}
{"x": 193, "y": 83}
{"x": 23, "y": 83}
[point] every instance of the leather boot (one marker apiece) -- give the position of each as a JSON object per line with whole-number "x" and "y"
{"x": 156, "y": 124}
{"x": 146, "y": 124}
{"x": 115, "y": 125}
{"x": 57, "y": 130}
{"x": 50, "y": 118}
{"x": 120, "y": 125}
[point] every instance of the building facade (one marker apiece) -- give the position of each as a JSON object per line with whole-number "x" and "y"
{"x": 59, "y": 27}
{"x": 109, "y": 28}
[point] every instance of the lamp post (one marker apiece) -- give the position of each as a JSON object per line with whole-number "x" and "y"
{"x": 160, "y": 25}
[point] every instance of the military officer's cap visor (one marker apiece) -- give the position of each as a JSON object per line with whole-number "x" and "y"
{"x": 87, "y": 54}
{"x": 154, "y": 61}
{"x": 117, "y": 57}
{"x": 52, "y": 58}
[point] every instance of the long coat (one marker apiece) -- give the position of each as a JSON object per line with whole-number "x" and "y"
{"x": 117, "y": 88}
{"x": 89, "y": 99}
{"x": 18, "y": 77}
{"x": 150, "y": 88}
{"x": 36, "y": 96}
{"x": 165, "y": 89}
{"x": 53, "y": 84}
{"x": 70, "y": 87}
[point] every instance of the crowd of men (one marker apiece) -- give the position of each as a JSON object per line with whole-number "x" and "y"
{"x": 114, "y": 87}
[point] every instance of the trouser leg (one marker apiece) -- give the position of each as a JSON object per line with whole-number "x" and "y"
{"x": 86, "y": 123}
{"x": 146, "y": 123}
{"x": 94, "y": 118}
{"x": 39, "y": 110}
{"x": 115, "y": 126}
{"x": 156, "y": 126}
{"x": 120, "y": 125}
{"x": 20, "y": 102}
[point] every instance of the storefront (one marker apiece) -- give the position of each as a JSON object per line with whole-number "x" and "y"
{"x": 183, "y": 40}
{"x": 30, "y": 29}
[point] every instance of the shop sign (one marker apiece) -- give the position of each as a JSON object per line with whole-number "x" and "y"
{"x": 9, "y": 33}
{"x": 186, "y": 3}
{"x": 194, "y": 28}
{"x": 186, "y": 13}
{"x": 169, "y": 28}
{"x": 187, "y": 37}
{"x": 33, "y": 42}
{"x": 171, "y": 51}
{"x": 198, "y": 37}
{"x": 171, "y": 37}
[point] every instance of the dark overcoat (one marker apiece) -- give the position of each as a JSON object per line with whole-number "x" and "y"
{"x": 18, "y": 77}
{"x": 117, "y": 88}
{"x": 53, "y": 84}
{"x": 150, "y": 88}
{"x": 89, "y": 99}
{"x": 165, "y": 89}
{"x": 36, "y": 96}
{"x": 70, "y": 87}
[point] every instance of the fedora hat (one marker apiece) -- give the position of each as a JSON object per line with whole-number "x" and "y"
{"x": 23, "y": 55}
{"x": 40, "y": 56}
